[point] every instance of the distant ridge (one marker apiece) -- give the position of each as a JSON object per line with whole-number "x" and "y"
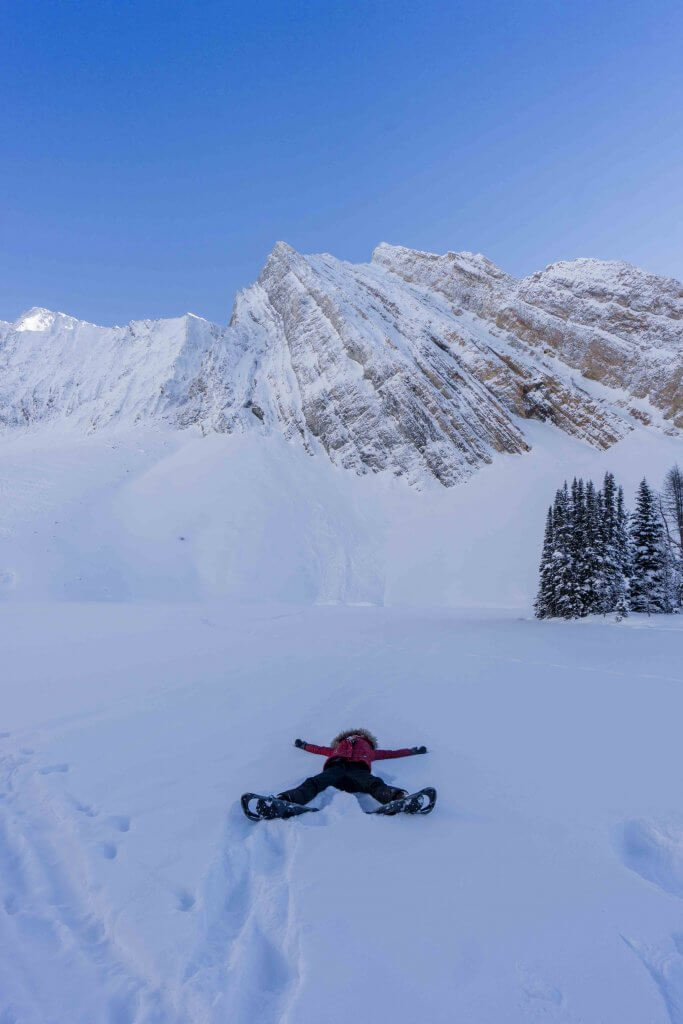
{"x": 418, "y": 364}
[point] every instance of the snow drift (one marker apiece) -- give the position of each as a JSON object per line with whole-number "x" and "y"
{"x": 168, "y": 515}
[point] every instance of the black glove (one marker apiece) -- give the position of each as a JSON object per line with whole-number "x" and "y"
{"x": 299, "y": 743}
{"x": 419, "y": 750}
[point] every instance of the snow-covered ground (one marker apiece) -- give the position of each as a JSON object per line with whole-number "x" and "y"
{"x": 546, "y": 886}
{"x": 153, "y": 514}
{"x": 175, "y": 610}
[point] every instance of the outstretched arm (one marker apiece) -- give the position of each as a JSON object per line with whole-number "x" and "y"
{"x": 312, "y": 748}
{"x": 384, "y": 755}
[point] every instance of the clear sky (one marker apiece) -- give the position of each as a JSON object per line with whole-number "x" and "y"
{"x": 154, "y": 150}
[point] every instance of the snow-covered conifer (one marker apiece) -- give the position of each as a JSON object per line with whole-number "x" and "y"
{"x": 649, "y": 571}
{"x": 622, "y": 557}
{"x": 545, "y": 601}
{"x": 565, "y": 588}
{"x": 580, "y": 568}
{"x": 593, "y": 556}
{"x": 670, "y": 575}
{"x": 611, "y": 567}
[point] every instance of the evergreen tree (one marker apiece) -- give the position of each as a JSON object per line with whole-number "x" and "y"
{"x": 598, "y": 559}
{"x": 649, "y": 571}
{"x": 565, "y": 590}
{"x": 622, "y": 558}
{"x": 578, "y": 547}
{"x": 611, "y": 564}
{"x": 671, "y": 505}
{"x": 545, "y": 601}
{"x": 593, "y": 559}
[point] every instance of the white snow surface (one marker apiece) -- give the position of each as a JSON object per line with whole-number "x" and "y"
{"x": 178, "y": 608}
{"x": 546, "y": 886}
{"x": 153, "y": 514}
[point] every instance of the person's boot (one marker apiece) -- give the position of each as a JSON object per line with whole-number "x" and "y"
{"x": 289, "y": 797}
{"x": 399, "y": 793}
{"x": 389, "y": 793}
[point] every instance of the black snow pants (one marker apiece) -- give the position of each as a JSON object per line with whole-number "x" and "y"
{"x": 350, "y": 776}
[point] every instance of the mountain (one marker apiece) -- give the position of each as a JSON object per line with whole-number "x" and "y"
{"x": 421, "y": 365}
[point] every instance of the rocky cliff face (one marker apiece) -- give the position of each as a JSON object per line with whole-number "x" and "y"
{"x": 421, "y": 365}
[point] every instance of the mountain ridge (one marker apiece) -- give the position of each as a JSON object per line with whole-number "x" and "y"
{"x": 419, "y": 364}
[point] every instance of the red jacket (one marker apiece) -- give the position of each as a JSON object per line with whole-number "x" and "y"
{"x": 361, "y": 750}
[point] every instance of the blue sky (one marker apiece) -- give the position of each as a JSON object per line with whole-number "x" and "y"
{"x": 153, "y": 151}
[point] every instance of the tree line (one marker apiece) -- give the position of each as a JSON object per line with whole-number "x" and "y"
{"x": 597, "y": 557}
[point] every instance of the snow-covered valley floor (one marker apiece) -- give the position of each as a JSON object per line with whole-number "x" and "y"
{"x": 546, "y": 886}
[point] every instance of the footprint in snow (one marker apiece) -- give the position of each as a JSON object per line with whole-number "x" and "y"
{"x": 10, "y": 904}
{"x": 49, "y": 769}
{"x": 108, "y": 851}
{"x": 538, "y": 992}
{"x": 87, "y": 809}
{"x": 653, "y": 851}
{"x": 120, "y": 822}
{"x": 538, "y": 989}
{"x": 186, "y": 900}
{"x": 665, "y": 967}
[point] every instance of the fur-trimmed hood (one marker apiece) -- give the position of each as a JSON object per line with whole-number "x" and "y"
{"x": 365, "y": 733}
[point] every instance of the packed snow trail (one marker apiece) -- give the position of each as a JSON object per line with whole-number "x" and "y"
{"x": 246, "y": 962}
{"x": 546, "y": 885}
{"x": 61, "y": 960}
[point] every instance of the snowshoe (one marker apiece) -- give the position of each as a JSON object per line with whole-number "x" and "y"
{"x": 421, "y": 802}
{"x": 268, "y": 807}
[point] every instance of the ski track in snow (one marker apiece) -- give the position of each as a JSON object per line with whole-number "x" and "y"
{"x": 246, "y": 966}
{"x": 246, "y": 962}
{"x": 655, "y": 852}
{"x": 665, "y": 967}
{"x": 48, "y": 905}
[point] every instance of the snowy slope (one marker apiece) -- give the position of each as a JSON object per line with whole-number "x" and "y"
{"x": 546, "y": 886}
{"x": 56, "y": 367}
{"x": 423, "y": 366}
{"x": 151, "y": 514}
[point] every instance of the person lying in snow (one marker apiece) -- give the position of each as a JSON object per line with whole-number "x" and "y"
{"x": 349, "y": 767}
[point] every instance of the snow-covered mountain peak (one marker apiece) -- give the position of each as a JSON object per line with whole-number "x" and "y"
{"x": 39, "y": 319}
{"x": 281, "y": 256}
{"x": 422, "y": 365}
{"x": 91, "y": 377}
{"x": 400, "y": 257}
{"x": 609, "y": 281}
{"x": 467, "y": 280}
{"x": 283, "y": 249}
